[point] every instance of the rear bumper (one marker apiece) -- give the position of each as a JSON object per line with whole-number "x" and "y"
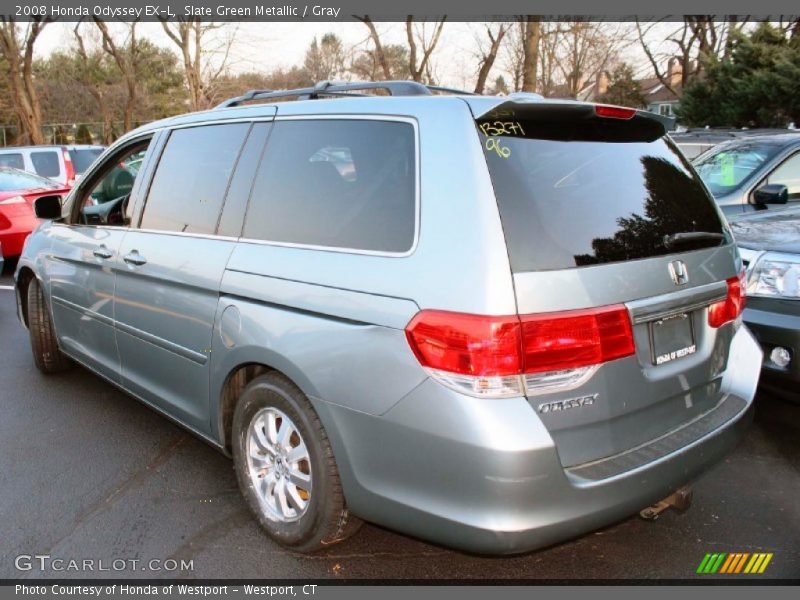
{"x": 485, "y": 475}
{"x": 772, "y": 329}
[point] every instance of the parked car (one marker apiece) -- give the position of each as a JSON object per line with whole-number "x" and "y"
{"x": 752, "y": 173}
{"x": 62, "y": 164}
{"x": 770, "y": 246}
{"x": 18, "y": 190}
{"x": 693, "y": 142}
{"x": 490, "y": 322}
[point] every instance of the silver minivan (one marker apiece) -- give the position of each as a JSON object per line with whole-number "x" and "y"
{"x": 489, "y": 322}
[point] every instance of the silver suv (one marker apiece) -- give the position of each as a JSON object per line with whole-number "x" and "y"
{"x": 489, "y": 322}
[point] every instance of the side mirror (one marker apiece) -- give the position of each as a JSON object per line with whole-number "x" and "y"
{"x": 772, "y": 193}
{"x": 47, "y": 207}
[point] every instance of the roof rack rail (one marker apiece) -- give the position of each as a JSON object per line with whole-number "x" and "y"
{"x": 342, "y": 88}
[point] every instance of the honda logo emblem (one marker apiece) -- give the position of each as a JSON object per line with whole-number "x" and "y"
{"x": 678, "y": 272}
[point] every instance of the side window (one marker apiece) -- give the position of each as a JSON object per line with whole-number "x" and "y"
{"x": 788, "y": 173}
{"x": 336, "y": 183}
{"x": 189, "y": 185}
{"x": 104, "y": 198}
{"x": 46, "y": 163}
{"x": 12, "y": 160}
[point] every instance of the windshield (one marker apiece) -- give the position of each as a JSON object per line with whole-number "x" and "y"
{"x": 12, "y": 180}
{"x": 727, "y": 168}
{"x": 593, "y": 193}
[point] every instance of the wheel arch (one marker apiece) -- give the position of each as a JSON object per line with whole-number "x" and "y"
{"x": 23, "y": 279}
{"x": 239, "y": 370}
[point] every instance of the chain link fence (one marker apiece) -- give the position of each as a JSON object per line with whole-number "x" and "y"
{"x": 67, "y": 133}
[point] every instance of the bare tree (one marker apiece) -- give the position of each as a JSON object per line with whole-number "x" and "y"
{"x": 89, "y": 77}
{"x": 531, "y": 27}
{"x": 18, "y": 55}
{"x": 379, "y": 52}
{"x": 421, "y": 41}
{"x": 488, "y": 55}
{"x": 549, "y": 61}
{"x": 191, "y": 36}
{"x": 126, "y": 57}
{"x": 692, "y": 43}
{"x": 537, "y": 42}
{"x": 586, "y": 48}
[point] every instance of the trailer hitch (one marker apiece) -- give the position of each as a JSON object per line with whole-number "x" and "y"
{"x": 680, "y": 500}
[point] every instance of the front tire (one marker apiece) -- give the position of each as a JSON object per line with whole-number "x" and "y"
{"x": 46, "y": 354}
{"x": 285, "y": 467}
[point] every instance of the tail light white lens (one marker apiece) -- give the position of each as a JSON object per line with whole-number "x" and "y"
{"x": 729, "y": 309}
{"x": 503, "y": 356}
{"x": 13, "y": 200}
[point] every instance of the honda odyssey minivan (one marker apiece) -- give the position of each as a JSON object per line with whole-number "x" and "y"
{"x": 490, "y": 322}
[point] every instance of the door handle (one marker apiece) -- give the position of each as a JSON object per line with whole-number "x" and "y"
{"x": 134, "y": 258}
{"x": 102, "y": 252}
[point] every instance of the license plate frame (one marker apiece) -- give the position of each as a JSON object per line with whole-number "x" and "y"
{"x": 672, "y": 338}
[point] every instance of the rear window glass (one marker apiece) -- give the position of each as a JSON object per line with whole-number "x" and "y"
{"x": 82, "y": 159}
{"x": 575, "y": 199}
{"x": 189, "y": 186}
{"x": 46, "y": 164}
{"x": 18, "y": 180}
{"x": 338, "y": 183}
{"x": 12, "y": 160}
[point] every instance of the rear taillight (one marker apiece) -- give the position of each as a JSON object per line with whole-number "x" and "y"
{"x": 614, "y": 112}
{"x": 68, "y": 167}
{"x": 573, "y": 339}
{"x": 729, "y": 309}
{"x": 512, "y": 355}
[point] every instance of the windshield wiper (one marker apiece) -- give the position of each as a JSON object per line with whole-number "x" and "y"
{"x": 691, "y": 236}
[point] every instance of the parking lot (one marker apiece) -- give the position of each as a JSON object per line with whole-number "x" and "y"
{"x": 89, "y": 472}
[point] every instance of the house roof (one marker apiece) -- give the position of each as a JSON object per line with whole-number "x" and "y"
{"x": 652, "y": 89}
{"x": 655, "y": 91}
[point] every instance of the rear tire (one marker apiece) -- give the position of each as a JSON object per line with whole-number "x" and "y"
{"x": 46, "y": 354}
{"x": 285, "y": 467}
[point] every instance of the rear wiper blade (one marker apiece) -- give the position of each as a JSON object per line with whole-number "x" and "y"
{"x": 691, "y": 236}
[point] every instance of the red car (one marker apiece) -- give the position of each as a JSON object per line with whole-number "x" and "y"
{"x": 18, "y": 190}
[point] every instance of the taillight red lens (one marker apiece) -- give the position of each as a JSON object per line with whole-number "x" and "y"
{"x": 68, "y": 167}
{"x": 729, "y": 309}
{"x": 513, "y": 345}
{"x": 466, "y": 344}
{"x": 577, "y": 338}
{"x": 614, "y": 112}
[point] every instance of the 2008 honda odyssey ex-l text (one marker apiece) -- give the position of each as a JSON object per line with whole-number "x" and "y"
{"x": 490, "y": 322}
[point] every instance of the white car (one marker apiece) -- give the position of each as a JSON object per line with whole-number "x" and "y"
{"x": 62, "y": 164}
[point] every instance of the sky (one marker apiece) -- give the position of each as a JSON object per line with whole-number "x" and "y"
{"x": 265, "y": 46}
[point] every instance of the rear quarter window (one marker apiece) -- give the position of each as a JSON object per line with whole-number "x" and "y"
{"x": 46, "y": 163}
{"x": 12, "y": 160}
{"x": 340, "y": 183}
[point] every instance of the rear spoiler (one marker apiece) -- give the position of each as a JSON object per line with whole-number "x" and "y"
{"x": 570, "y": 120}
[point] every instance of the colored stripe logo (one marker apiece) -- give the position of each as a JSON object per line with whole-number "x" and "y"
{"x": 735, "y": 562}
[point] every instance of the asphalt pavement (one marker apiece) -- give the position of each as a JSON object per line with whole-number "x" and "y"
{"x": 89, "y": 473}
